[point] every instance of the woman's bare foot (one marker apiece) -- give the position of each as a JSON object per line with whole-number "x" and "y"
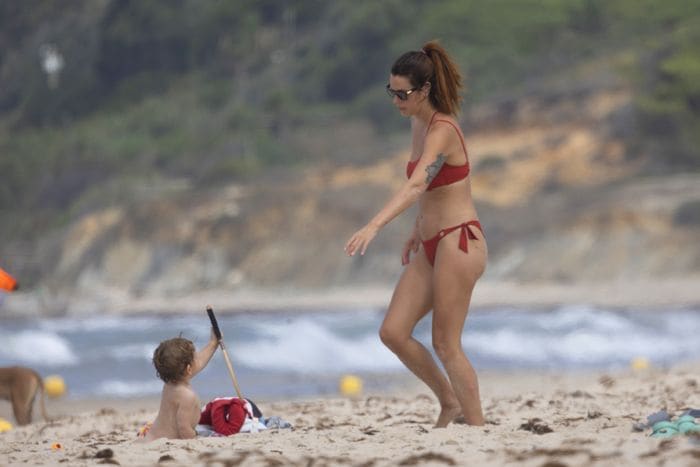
{"x": 448, "y": 414}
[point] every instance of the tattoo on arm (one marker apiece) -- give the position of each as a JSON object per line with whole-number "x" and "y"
{"x": 433, "y": 169}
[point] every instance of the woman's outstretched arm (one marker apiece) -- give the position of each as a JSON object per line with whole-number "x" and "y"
{"x": 428, "y": 166}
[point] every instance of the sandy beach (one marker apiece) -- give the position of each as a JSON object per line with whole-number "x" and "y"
{"x": 533, "y": 419}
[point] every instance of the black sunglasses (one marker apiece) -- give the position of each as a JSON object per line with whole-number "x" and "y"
{"x": 401, "y": 94}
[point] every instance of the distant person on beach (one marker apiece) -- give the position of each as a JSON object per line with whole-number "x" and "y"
{"x": 447, "y": 242}
{"x": 176, "y": 364}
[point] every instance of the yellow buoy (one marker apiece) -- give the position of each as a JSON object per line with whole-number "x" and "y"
{"x": 54, "y": 386}
{"x": 5, "y": 425}
{"x": 350, "y": 385}
{"x": 640, "y": 363}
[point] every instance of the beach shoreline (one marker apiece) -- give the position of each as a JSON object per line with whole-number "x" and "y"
{"x": 631, "y": 294}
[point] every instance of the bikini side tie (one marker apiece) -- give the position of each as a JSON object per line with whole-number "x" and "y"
{"x": 465, "y": 235}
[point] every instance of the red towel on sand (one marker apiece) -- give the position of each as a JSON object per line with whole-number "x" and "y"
{"x": 225, "y": 415}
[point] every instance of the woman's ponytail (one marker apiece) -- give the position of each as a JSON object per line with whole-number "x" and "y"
{"x": 446, "y": 80}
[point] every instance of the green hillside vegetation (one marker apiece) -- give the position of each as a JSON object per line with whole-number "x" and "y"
{"x": 207, "y": 92}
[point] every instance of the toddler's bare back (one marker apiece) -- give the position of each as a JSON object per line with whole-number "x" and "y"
{"x": 178, "y": 414}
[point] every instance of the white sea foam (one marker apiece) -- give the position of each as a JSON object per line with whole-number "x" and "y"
{"x": 121, "y": 388}
{"x": 685, "y": 325}
{"x": 581, "y": 336}
{"x": 137, "y": 351}
{"x": 504, "y": 344}
{"x": 35, "y": 347}
{"x": 305, "y": 346}
{"x": 580, "y": 316}
{"x": 99, "y": 324}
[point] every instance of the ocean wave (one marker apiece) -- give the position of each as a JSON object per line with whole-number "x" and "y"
{"x": 573, "y": 337}
{"x": 36, "y": 348}
{"x": 99, "y": 323}
{"x": 122, "y": 388}
{"x": 583, "y": 317}
{"x": 305, "y": 346}
{"x": 112, "y": 356}
{"x": 125, "y": 352}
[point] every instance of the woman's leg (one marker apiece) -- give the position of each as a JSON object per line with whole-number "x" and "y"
{"x": 456, "y": 273}
{"x": 411, "y": 301}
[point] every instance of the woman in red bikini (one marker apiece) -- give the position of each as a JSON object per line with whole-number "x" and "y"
{"x": 424, "y": 85}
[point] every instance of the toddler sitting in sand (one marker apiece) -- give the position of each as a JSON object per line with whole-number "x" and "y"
{"x": 176, "y": 364}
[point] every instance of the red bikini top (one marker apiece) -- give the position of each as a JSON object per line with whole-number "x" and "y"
{"x": 448, "y": 174}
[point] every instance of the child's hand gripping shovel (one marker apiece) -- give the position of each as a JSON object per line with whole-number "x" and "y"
{"x": 217, "y": 332}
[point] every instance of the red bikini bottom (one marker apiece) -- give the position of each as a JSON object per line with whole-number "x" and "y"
{"x": 430, "y": 245}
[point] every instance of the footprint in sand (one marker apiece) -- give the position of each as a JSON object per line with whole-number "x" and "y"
{"x": 537, "y": 426}
{"x": 606, "y": 381}
{"x": 428, "y": 457}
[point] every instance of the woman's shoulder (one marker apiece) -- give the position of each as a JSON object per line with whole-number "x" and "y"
{"x": 445, "y": 126}
{"x": 439, "y": 118}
